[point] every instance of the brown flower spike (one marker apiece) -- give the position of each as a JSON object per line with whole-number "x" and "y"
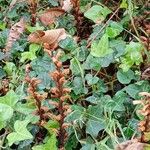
{"x": 144, "y": 125}
{"x": 62, "y": 94}
{"x": 33, "y": 94}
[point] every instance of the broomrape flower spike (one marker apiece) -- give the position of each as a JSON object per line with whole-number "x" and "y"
{"x": 32, "y": 86}
{"x": 144, "y": 125}
{"x": 62, "y": 94}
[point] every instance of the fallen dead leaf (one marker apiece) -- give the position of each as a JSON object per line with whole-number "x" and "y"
{"x": 49, "y": 39}
{"x": 131, "y": 145}
{"x": 67, "y": 5}
{"x": 14, "y": 33}
{"x": 49, "y": 16}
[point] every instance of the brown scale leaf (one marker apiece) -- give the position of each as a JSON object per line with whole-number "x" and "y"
{"x": 14, "y": 34}
{"x": 49, "y": 16}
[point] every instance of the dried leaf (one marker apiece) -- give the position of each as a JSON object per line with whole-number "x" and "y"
{"x": 131, "y": 145}
{"x": 49, "y": 16}
{"x": 67, "y": 5}
{"x": 49, "y": 38}
{"x": 15, "y": 33}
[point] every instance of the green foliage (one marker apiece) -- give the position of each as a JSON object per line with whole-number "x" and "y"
{"x": 31, "y": 55}
{"x": 21, "y": 133}
{"x": 76, "y": 67}
{"x": 125, "y": 77}
{"x": 132, "y": 56}
{"x": 50, "y": 144}
{"x": 97, "y": 13}
{"x": 106, "y": 60}
{"x": 102, "y": 48}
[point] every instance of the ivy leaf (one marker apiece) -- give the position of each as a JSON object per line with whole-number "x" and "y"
{"x": 96, "y": 121}
{"x": 132, "y": 56}
{"x": 78, "y": 86}
{"x": 102, "y": 48}
{"x": 134, "y": 89}
{"x": 76, "y": 67}
{"x": 6, "y": 113}
{"x": 68, "y": 44}
{"x": 92, "y": 63}
{"x": 2, "y": 73}
{"x": 97, "y": 13}
{"x": 124, "y": 4}
{"x": 77, "y": 114}
{"x": 2, "y": 26}
{"x": 9, "y": 99}
{"x": 31, "y": 54}
{"x": 21, "y": 133}
{"x": 9, "y": 68}
{"x": 50, "y": 125}
{"x": 33, "y": 29}
{"x": 88, "y": 147}
{"x": 118, "y": 47}
{"x": 41, "y": 68}
{"x": 116, "y": 104}
{"x": 7, "y": 103}
{"x": 53, "y": 2}
{"x": 96, "y": 63}
{"x": 114, "y": 29}
{"x": 92, "y": 99}
{"x": 125, "y": 77}
{"x": 49, "y": 145}
{"x": 91, "y": 80}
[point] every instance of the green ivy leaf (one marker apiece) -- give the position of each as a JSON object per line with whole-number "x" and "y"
{"x": 125, "y": 77}
{"x": 114, "y": 29}
{"x": 53, "y": 2}
{"x": 49, "y": 145}
{"x": 76, "y": 67}
{"x": 50, "y": 125}
{"x": 118, "y": 47}
{"x": 68, "y": 44}
{"x": 78, "y": 86}
{"x": 97, "y": 13}
{"x": 9, "y": 99}
{"x": 9, "y": 68}
{"x": 2, "y": 74}
{"x": 33, "y": 29}
{"x": 21, "y": 133}
{"x": 102, "y": 48}
{"x": 92, "y": 99}
{"x": 132, "y": 56}
{"x": 92, "y": 63}
{"x": 33, "y": 48}
{"x": 96, "y": 120}
{"x": 77, "y": 114}
{"x": 7, "y": 103}
{"x": 134, "y": 89}
{"x": 116, "y": 104}
{"x": 6, "y": 113}
{"x": 88, "y": 147}
{"x": 124, "y": 4}
{"x": 2, "y": 25}
{"x": 91, "y": 80}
